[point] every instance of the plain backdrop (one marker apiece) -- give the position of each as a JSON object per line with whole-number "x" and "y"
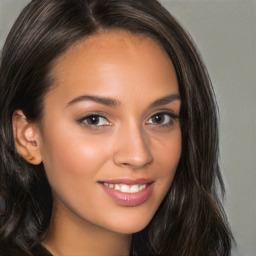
{"x": 225, "y": 33}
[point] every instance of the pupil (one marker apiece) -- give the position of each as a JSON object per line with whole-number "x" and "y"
{"x": 159, "y": 118}
{"x": 93, "y": 120}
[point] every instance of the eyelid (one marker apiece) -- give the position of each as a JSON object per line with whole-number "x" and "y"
{"x": 168, "y": 112}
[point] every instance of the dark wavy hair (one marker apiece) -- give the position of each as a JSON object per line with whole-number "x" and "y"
{"x": 190, "y": 220}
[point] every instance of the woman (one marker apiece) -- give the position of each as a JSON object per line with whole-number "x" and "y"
{"x": 109, "y": 142}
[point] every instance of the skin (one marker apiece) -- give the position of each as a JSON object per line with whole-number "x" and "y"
{"x": 128, "y": 141}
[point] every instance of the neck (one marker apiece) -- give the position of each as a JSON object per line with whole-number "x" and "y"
{"x": 70, "y": 235}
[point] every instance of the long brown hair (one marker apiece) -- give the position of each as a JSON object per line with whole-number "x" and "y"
{"x": 190, "y": 220}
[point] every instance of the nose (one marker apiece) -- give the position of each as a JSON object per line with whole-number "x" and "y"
{"x": 132, "y": 149}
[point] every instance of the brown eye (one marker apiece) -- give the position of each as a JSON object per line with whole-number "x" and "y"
{"x": 160, "y": 119}
{"x": 94, "y": 120}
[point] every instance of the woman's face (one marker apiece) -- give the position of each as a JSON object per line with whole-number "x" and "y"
{"x": 110, "y": 137}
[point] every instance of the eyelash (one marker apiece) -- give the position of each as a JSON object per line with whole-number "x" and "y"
{"x": 97, "y": 117}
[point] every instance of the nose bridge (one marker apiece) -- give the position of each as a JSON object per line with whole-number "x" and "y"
{"x": 133, "y": 147}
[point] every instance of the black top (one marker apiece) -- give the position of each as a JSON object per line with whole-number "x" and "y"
{"x": 11, "y": 251}
{"x": 39, "y": 250}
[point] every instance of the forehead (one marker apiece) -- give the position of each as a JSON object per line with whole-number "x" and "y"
{"x": 114, "y": 60}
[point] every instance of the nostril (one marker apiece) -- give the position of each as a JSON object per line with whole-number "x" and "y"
{"x": 135, "y": 163}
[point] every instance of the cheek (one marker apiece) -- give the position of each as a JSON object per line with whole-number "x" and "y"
{"x": 168, "y": 152}
{"x": 69, "y": 159}
{"x": 72, "y": 164}
{"x": 167, "y": 156}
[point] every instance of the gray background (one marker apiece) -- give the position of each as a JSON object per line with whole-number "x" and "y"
{"x": 225, "y": 33}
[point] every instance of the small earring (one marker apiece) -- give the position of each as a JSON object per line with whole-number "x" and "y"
{"x": 29, "y": 157}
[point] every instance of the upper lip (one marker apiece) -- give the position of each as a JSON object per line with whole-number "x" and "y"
{"x": 128, "y": 181}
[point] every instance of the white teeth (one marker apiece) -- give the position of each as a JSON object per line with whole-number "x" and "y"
{"x": 142, "y": 187}
{"x": 126, "y": 188}
{"x": 134, "y": 189}
{"x": 117, "y": 187}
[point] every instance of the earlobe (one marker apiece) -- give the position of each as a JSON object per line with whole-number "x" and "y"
{"x": 25, "y": 136}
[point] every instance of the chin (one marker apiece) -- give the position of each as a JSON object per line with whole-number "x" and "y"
{"x": 131, "y": 224}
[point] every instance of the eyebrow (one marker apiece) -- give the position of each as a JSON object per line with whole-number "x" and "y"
{"x": 102, "y": 100}
{"x": 165, "y": 100}
{"x": 115, "y": 103}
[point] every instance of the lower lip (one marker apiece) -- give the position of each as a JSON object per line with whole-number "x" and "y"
{"x": 129, "y": 199}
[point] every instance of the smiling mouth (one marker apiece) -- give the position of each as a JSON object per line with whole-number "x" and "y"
{"x": 126, "y": 188}
{"x": 128, "y": 192}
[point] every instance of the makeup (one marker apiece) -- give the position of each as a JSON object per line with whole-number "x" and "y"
{"x": 128, "y": 192}
{"x": 110, "y": 138}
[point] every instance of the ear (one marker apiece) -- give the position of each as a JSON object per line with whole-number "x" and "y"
{"x": 26, "y": 138}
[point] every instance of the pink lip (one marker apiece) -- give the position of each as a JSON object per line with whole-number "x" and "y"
{"x": 128, "y": 181}
{"x": 129, "y": 199}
